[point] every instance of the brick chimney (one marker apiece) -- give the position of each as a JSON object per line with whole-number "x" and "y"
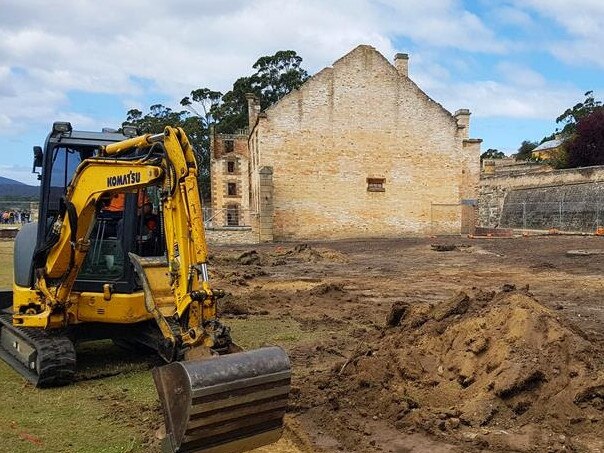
{"x": 463, "y": 121}
{"x": 401, "y": 63}
{"x": 253, "y": 109}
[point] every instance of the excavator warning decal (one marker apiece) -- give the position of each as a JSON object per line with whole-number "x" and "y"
{"x": 132, "y": 177}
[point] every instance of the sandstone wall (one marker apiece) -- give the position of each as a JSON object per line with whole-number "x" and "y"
{"x": 360, "y": 121}
{"x": 222, "y": 200}
{"x": 565, "y": 199}
{"x": 241, "y": 235}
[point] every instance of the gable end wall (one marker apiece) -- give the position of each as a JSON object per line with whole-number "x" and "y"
{"x": 361, "y": 119}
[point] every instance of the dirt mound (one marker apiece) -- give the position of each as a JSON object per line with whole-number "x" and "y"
{"x": 304, "y": 252}
{"x": 327, "y": 288}
{"x": 444, "y": 247}
{"x": 249, "y": 257}
{"x": 243, "y": 278}
{"x": 253, "y": 260}
{"x": 477, "y": 366}
{"x": 230, "y": 305}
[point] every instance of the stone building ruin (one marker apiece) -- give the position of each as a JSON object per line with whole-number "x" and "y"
{"x": 359, "y": 150}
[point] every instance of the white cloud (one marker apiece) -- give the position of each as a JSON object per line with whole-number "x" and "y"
{"x": 54, "y": 48}
{"x": 512, "y": 16}
{"x": 520, "y": 75}
{"x": 438, "y": 23}
{"x": 27, "y": 99}
{"x": 131, "y": 49}
{"x": 495, "y": 99}
{"x": 5, "y": 121}
{"x": 582, "y": 21}
{"x": 579, "y": 17}
{"x": 512, "y": 90}
{"x": 428, "y": 70}
{"x": 19, "y": 173}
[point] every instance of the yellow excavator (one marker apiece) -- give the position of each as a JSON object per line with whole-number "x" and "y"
{"x": 119, "y": 252}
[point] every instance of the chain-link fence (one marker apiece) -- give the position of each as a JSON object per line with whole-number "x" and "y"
{"x": 233, "y": 216}
{"x": 14, "y": 212}
{"x": 570, "y": 216}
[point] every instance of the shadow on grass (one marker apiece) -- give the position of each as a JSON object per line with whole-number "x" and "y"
{"x": 101, "y": 359}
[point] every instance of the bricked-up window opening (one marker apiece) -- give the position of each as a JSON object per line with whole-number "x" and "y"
{"x": 232, "y": 189}
{"x": 231, "y": 167}
{"x": 376, "y": 185}
{"x": 229, "y": 146}
{"x": 232, "y": 215}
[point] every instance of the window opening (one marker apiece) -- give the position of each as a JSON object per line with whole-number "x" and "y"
{"x": 376, "y": 184}
{"x": 229, "y": 146}
{"x": 232, "y": 215}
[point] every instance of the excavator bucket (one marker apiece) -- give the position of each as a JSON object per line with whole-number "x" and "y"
{"x": 228, "y": 404}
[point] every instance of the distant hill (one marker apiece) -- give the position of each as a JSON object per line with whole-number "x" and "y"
{"x": 9, "y": 188}
{"x": 8, "y": 181}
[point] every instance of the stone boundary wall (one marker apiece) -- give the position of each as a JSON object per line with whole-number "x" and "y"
{"x": 509, "y": 166}
{"x": 232, "y": 235}
{"x": 494, "y": 190}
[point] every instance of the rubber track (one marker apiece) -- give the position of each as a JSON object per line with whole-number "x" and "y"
{"x": 56, "y": 356}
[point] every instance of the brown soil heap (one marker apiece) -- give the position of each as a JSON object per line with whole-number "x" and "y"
{"x": 495, "y": 370}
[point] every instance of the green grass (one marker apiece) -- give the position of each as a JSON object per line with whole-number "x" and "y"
{"x": 6, "y": 263}
{"x": 117, "y": 413}
{"x": 266, "y": 331}
{"x": 110, "y": 415}
{"x": 114, "y": 414}
{"x": 254, "y": 333}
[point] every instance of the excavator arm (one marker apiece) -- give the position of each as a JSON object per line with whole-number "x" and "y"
{"x": 173, "y": 166}
{"x": 69, "y": 239}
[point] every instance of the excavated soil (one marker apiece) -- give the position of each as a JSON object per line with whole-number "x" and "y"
{"x": 429, "y": 345}
{"x": 473, "y": 364}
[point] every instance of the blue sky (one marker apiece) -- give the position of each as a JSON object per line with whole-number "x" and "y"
{"x": 515, "y": 64}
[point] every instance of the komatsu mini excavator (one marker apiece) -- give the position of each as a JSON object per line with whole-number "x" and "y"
{"x": 119, "y": 252}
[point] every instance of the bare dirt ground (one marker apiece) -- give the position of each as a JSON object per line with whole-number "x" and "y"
{"x": 395, "y": 347}
{"x": 458, "y": 365}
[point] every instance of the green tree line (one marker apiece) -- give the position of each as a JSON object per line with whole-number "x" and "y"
{"x": 274, "y": 76}
{"x": 582, "y": 134}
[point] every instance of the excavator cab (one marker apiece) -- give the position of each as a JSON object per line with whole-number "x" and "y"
{"x": 119, "y": 252}
{"x": 107, "y": 261}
